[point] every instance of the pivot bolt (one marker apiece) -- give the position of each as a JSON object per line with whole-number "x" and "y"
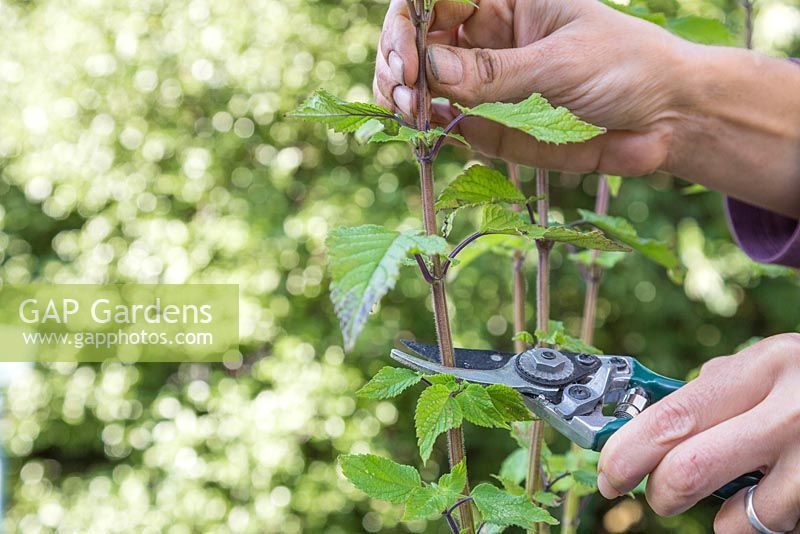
{"x": 586, "y": 359}
{"x": 579, "y": 392}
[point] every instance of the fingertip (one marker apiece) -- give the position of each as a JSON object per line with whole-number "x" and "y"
{"x": 605, "y": 486}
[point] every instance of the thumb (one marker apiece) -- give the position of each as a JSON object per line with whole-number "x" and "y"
{"x": 470, "y": 76}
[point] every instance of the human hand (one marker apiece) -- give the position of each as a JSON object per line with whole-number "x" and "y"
{"x": 723, "y": 117}
{"x": 608, "y": 68}
{"x": 741, "y": 414}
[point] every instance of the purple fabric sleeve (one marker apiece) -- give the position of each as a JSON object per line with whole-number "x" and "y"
{"x": 765, "y": 236}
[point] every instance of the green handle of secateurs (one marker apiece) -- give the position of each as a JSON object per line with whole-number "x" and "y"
{"x": 658, "y": 387}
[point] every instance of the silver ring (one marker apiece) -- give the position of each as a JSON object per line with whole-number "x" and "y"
{"x": 751, "y": 513}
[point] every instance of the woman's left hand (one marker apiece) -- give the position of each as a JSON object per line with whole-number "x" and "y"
{"x": 741, "y": 414}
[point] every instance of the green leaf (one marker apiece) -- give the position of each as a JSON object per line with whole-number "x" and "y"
{"x": 455, "y": 481}
{"x": 515, "y": 467}
{"x": 620, "y": 229}
{"x": 476, "y": 186}
{"x": 594, "y": 240}
{"x": 606, "y": 260}
{"x": 556, "y": 335}
{"x": 525, "y": 337}
{"x": 586, "y": 478}
{"x": 640, "y": 12}
{"x": 342, "y": 116}
{"x": 389, "y": 382}
{"x": 694, "y": 189}
{"x": 437, "y": 412}
{"x": 701, "y": 30}
{"x": 447, "y": 380}
{"x": 365, "y": 264}
{"x": 546, "y": 498}
{"x": 509, "y": 485}
{"x": 501, "y": 508}
{"x": 380, "y": 478}
{"x": 499, "y": 220}
{"x": 478, "y": 408}
{"x": 424, "y": 502}
{"x": 536, "y": 117}
{"x": 367, "y": 130}
{"x": 508, "y": 401}
{"x": 614, "y": 183}
{"x": 404, "y": 133}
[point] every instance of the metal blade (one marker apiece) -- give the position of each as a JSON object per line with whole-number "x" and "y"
{"x": 506, "y": 375}
{"x": 465, "y": 358}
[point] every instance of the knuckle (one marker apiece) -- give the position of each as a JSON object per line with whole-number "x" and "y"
{"x": 687, "y": 474}
{"x": 672, "y": 419}
{"x": 487, "y": 66}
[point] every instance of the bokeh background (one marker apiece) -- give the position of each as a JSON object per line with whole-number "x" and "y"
{"x": 145, "y": 142}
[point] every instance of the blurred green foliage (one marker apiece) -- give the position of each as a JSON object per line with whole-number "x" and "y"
{"x": 144, "y": 141}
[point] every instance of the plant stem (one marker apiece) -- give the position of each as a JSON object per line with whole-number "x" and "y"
{"x": 748, "y": 23}
{"x": 533, "y": 480}
{"x": 455, "y": 437}
{"x": 519, "y": 277}
{"x": 571, "y": 512}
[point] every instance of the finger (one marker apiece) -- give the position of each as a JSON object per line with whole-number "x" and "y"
{"x": 776, "y": 502}
{"x": 397, "y": 44}
{"x": 715, "y": 396}
{"x": 472, "y": 76}
{"x": 707, "y": 461}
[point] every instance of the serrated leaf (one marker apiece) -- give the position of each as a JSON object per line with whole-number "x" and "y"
{"x": 594, "y": 239}
{"x": 701, "y": 30}
{"x": 365, "y": 264}
{"x": 455, "y": 481}
{"x": 424, "y": 502}
{"x": 586, "y": 478}
{"x": 535, "y": 116}
{"x": 508, "y": 401}
{"x": 620, "y": 229}
{"x": 478, "y": 408}
{"x": 499, "y": 220}
{"x": 509, "y": 485}
{"x": 502, "y": 508}
{"x": 476, "y": 186}
{"x": 444, "y": 379}
{"x": 606, "y": 260}
{"x": 437, "y": 412}
{"x": 389, "y": 382}
{"x": 614, "y": 183}
{"x": 343, "y": 116}
{"x": 640, "y": 12}
{"x": 380, "y": 478}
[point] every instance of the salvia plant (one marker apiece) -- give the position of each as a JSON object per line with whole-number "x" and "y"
{"x": 366, "y": 262}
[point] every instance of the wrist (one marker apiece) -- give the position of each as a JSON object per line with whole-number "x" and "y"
{"x": 735, "y": 125}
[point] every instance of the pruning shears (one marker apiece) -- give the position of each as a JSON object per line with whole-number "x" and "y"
{"x": 568, "y": 390}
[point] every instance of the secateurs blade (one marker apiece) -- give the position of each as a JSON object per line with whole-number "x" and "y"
{"x": 568, "y": 390}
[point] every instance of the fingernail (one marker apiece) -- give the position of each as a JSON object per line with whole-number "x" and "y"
{"x": 402, "y": 99}
{"x": 605, "y": 487}
{"x": 445, "y": 65}
{"x": 396, "y": 65}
